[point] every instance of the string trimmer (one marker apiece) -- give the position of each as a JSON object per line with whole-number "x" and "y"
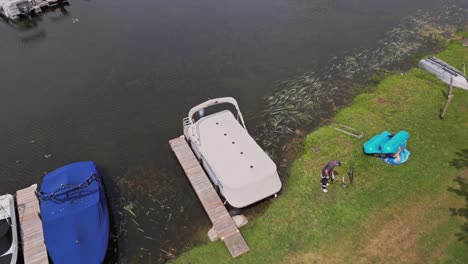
{"x": 343, "y": 184}
{"x": 351, "y": 178}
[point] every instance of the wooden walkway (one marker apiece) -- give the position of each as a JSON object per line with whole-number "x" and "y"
{"x": 34, "y": 249}
{"x": 214, "y": 207}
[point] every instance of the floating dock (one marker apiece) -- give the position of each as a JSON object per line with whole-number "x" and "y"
{"x": 32, "y": 236}
{"x": 12, "y": 9}
{"x": 214, "y": 207}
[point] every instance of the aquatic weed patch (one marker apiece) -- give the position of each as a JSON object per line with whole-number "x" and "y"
{"x": 390, "y": 213}
{"x": 146, "y": 211}
{"x": 302, "y": 102}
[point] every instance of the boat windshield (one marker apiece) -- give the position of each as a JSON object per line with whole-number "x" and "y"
{"x": 6, "y": 235}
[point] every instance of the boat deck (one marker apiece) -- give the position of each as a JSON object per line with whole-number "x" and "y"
{"x": 214, "y": 207}
{"x": 34, "y": 248}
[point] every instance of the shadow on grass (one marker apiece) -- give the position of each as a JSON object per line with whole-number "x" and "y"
{"x": 461, "y": 162}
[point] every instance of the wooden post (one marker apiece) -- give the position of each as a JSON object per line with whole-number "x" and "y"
{"x": 442, "y": 114}
{"x": 450, "y": 88}
{"x": 449, "y": 99}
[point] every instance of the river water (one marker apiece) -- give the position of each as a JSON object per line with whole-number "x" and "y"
{"x": 110, "y": 81}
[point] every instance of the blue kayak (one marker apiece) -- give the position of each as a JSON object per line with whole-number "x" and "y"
{"x": 386, "y": 143}
{"x": 74, "y": 213}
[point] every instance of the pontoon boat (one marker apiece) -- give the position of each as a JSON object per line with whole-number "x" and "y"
{"x": 240, "y": 170}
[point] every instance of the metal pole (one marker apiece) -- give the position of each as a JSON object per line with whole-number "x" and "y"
{"x": 349, "y": 133}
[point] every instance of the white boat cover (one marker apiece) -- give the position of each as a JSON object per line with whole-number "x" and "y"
{"x": 444, "y": 72}
{"x": 245, "y": 172}
{"x": 8, "y": 230}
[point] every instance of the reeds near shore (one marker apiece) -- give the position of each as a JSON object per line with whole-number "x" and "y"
{"x": 301, "y": 102}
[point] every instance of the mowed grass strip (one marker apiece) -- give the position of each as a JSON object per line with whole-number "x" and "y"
{"x": 391, "y": 214}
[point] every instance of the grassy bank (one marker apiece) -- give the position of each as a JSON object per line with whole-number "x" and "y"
{"x": 391, "y": 213}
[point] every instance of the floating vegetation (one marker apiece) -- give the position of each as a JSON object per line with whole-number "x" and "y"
{"x": 301, "y": 102}
{"x": 144, "y": 212}
{"x": 129, "y": 208}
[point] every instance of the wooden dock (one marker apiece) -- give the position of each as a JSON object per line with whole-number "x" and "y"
{"x": 34, "y": 249}
{"x": 214, "y": 207}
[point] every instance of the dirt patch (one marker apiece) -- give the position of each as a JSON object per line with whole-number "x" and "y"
{"x": 397, "y": 238}
{"x": 309, "y": 258}
{"x": 392, "y": 235}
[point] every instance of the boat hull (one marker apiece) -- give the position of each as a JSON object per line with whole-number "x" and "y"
{"x": 444, "y": 72}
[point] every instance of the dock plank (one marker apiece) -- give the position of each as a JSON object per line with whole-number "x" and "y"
{"x": 236, "y": 244}
{"x": 32, "y": 235}
{"x": 214, "y": 207}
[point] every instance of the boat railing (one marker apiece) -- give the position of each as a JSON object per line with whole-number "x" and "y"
{"x": 212, "y": 102}
{"x": 5, "y": 212}
{"x": 189, "y": 120}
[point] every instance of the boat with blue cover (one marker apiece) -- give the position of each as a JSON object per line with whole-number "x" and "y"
{"x": 74, "y": 213}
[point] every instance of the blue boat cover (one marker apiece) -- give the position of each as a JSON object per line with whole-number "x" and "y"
{"x": 74, "y": 213}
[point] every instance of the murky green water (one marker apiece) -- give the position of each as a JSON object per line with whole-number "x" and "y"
{"x": 110, "y": 81}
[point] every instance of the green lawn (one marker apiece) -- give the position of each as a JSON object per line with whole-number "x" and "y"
{"x": 391, "y": 213}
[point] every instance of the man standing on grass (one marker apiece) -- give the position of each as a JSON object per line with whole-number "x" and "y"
{"x": 327, "y": 171}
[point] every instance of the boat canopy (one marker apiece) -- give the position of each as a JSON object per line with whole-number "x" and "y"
{"x": 74, "y": 214}
{"x": 244, "y": 171}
